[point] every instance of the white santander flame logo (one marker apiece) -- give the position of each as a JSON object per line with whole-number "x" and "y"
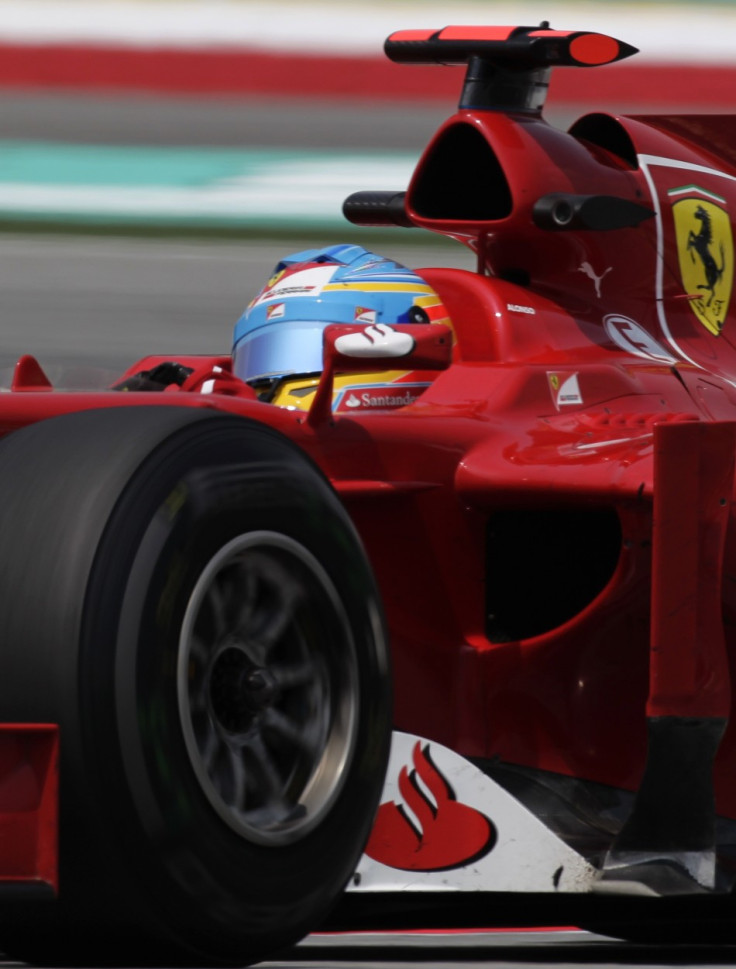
{"x": 632, "y": 338}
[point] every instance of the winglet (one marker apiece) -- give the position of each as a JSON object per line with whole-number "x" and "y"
{"x": 508, "y": 67}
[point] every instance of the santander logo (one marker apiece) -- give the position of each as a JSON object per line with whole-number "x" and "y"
{"x": 440, "y": 834}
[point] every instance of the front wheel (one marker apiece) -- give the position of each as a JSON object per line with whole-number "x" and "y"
{"x": 269, "y": 717}
{"x": 183, "y": 593}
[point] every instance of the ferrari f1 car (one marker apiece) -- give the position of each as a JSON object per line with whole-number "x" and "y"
{"x": 496, "y": 524}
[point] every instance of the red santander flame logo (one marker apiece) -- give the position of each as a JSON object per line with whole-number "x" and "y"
{"x": 449, "y": 834}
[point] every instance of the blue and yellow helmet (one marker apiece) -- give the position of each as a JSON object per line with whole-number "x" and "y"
{"x": 280, "y": 333}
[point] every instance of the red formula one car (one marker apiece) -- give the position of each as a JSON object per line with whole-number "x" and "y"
{"x": 497, "y": 503}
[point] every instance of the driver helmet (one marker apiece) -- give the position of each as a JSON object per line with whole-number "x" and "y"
{"x": 278, "y": 339}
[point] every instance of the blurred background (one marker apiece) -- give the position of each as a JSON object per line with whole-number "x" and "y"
{"x": 157, "y": 157}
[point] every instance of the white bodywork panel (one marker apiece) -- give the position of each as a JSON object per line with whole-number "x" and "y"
{"x": 443, "y": 825}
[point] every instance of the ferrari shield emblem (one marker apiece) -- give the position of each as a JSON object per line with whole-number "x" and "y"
{"x": 705, "y": 252}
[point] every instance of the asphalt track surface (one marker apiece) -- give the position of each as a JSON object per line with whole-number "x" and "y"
{"x": 232, "y": 121}
{"x": 139, "y": 119}
{"x": 120, "y": 119}
{"x": 514, "y": 949}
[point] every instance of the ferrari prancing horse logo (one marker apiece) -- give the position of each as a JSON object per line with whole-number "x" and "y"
{"x": 706, "y": 254}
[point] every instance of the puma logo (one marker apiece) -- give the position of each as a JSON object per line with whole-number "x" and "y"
{"x": 591, "y": 274}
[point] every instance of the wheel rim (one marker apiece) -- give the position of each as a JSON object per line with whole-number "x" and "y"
{"x": 267, "y": 687}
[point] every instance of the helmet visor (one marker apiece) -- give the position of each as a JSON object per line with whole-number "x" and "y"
{"x": 280, "y": 348}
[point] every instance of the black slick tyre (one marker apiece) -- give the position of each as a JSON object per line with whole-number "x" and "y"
{"x": 182, "y": 592}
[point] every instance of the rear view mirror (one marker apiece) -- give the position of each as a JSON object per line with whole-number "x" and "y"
{"x": 416, "y": 346}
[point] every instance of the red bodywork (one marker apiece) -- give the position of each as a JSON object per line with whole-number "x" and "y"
{"x": 29, "y": 785}
{"x": 508, "y": 512}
